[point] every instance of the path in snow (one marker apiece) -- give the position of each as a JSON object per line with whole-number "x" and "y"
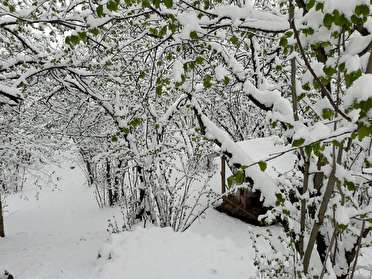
{"x": 57, "y": 236}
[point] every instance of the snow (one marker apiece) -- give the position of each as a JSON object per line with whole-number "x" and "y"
{"x": 352, "y": 63}
{"x": 359, "y": 91}
{"x": 10, "y": 90}
{"x": 342, "y": 215}
{"x": 357, "y": 43}
{"x": 177, "y": 71}
{"x": 281, "y": 107}
{"x": 248, "y": 17}
{"x": 262, "y": 181}
{"x": 346, "y": 7}
{"x": 216, "y": 247}
{"x": 190, "y": 23}
{"x": 242, "y": 154}
{"x": 229, "y": 59}
{"x": 221, "y": 72}
{"x": 263, "y": 148}
{"x": 313, "y": 133}
{"x": 318, "y": 70}
{"x": 61, "y": 233}
{"x": 54, "y": 232}
{"x": 166, "y": 254}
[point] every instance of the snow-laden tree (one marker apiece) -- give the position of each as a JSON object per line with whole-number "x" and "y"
{"x": 167, "y": 80}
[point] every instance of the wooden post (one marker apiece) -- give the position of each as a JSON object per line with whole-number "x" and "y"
{"x": 223, "y": 175}
{"x": 243, "y": 198}
{"x": 2, "y": 230}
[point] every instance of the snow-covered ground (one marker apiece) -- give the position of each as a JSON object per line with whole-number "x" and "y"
{"x": 55, "y": 232}
{"x": 58, "y": 232}
{"x": 61, "y": 233}
{"x": 216, "y": 247}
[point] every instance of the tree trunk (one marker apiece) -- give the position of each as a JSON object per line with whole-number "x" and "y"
{"x": 223, "y": 175}
{"x": 109, "y": 186}
{"x": 90, "y": 172}
{"x": 2, "y": 230}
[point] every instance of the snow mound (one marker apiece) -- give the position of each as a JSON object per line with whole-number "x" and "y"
{"x": 359, "y": 91}
{"x": 162, "y": 253}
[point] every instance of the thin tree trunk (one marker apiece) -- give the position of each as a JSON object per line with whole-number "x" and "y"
{"x": 90, "y": 172}
{"x": 223, "y": 175}
{"x": 2, "y": 229}
{"x": 321, "y": 214}
{"x": 109, "y": 186}
{"x": 369, "y": 65}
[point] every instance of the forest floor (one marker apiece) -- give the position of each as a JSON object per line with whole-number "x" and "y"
{"x": 54, "y": 232}
{"x": 58, "y": 232}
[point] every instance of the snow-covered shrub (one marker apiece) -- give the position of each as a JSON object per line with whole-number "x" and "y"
{"x": 150, "y": 83}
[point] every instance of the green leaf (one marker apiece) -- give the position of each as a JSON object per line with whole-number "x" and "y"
{"x": 163, "y": 31}
{"x": 288, "y": 34}
{"x": 286, "y": 212}
{"x": 206, "y": 4}
{"x": 327, "y": 113}
{"x": 298, "y": 142}
{"x": 125, "y": 131}
{"x": 230, "y": 181}
{"x": 135, "y": 122}
{"x": 263, "y": 165}
{"x": 226, "y": 80}
{"x": 194, "y": 35}
{"x": 279, "y": 199}
{"x": 356, "y": 20}
{"x": 234, "y": 40}
{"x": 237, "y": 179}
{"x": 240, "y": 177}
{"x": 364, "y": 131}
{"x": 319, "y": 6}
{"x": 159, "y": 90}
{"x": 350, "y": 186}
{"x": 308, "y": 31}
{"x": 306, "y": 86}
{"x": 113, "y": 5}
{"x": 351, "y": 77}
{"x": 156, "y": 3}
{"x": 75, "y": 39}
{"x": 329, "y": 71}
{"x": 172, "y": 27}
{"x": 342, "y": 227}
{"x": 153, "y": 31}
{"x": 114, "y": 138}
{"x": 328, "y": 20}
{"x": 310, "y": 4}
{"x": 99, "y": 11}
{"x": 142, "y": 75}
{"x": 94, "y": 31}
{"x": 82, "y": 36}
{"x": 168, "y": 3}
{"x": 340, "y": 19}
{"x": 68, "y": 40}
{"x": 308, "y": 149}
{"x": 207, "y": 81}
{"x": 146, "y": 4}
{"x": 364, "y": 105}
{"x": 362, "y": 10}
{"x": 199, "y": 60}
{"x": 283, "y": 42}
